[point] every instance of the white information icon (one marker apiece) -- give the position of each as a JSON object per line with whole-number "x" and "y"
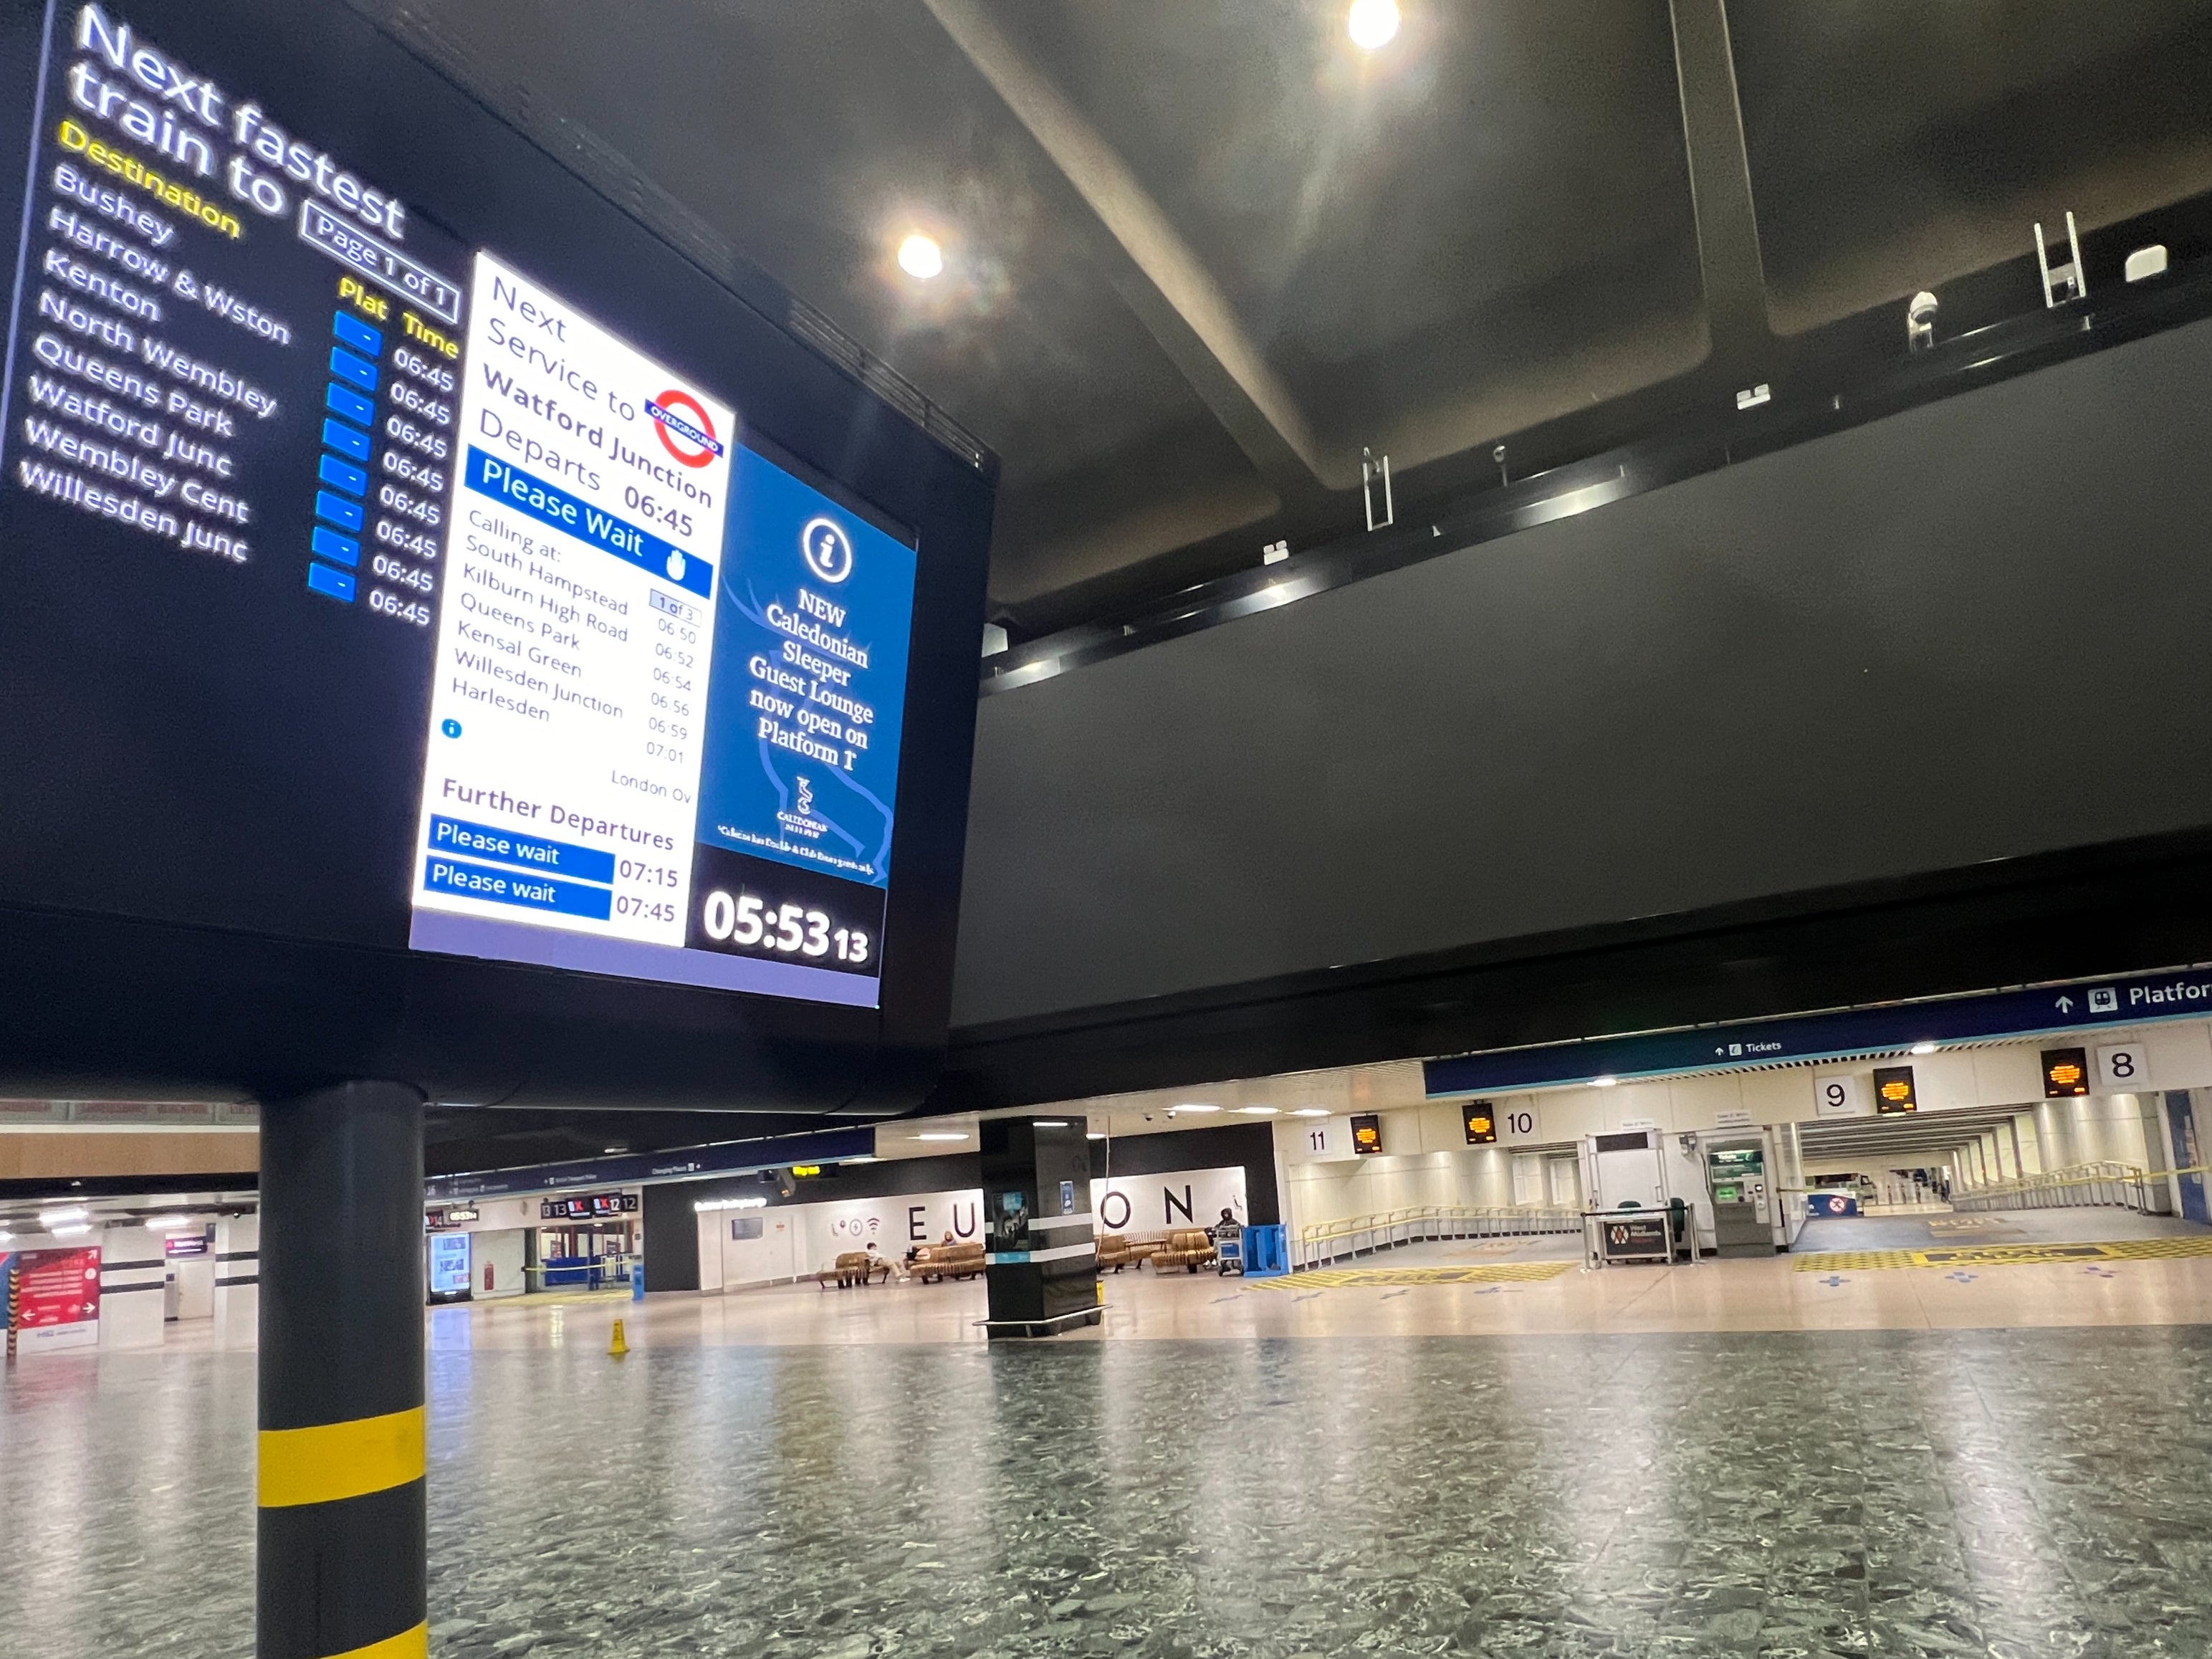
{"x": 827, "y": 549}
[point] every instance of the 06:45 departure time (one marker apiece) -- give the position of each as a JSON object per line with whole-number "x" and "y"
{"x": 790, "y": 928}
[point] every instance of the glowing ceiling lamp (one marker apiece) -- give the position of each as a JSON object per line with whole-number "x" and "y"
{"x": 1373, "y": 23}
{"x": 919, "y": 256}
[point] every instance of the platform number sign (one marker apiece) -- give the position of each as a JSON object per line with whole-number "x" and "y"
{"x": 1479, "y": 1119}
{"x": 1893, "y": 1090}
{"x": 1841, "y": 1094}
{"x": 2065, "y": 1072}
{"x": 2123, "y": 1066}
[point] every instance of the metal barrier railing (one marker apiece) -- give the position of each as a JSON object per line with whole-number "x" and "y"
{"x": 1324, "y": 1241}
{"x": 2105, "y": 1184}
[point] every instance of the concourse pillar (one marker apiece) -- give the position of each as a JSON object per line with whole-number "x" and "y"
{"x": 342, "y": 1529}
{"x": 1041, "y": 1250}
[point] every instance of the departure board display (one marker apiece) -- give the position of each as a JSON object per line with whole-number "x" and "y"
{"x": 406, "y": 598}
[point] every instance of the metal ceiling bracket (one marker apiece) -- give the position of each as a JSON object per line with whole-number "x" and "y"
{"x": 1371, "y": 470}
{"x": 2062, "y": 283}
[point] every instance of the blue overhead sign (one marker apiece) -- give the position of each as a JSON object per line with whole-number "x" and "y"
{"x": 2133, "y": 999}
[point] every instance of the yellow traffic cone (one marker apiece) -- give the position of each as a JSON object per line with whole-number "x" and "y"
{"x": 619, "y": 1345}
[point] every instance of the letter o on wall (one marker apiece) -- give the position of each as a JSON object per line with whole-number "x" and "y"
{"x": 1106, "y": 1210}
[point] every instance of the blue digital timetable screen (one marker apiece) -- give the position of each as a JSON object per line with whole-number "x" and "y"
{"x": 397, "y": 596}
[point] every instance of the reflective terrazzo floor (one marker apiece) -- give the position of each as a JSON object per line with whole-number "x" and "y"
{"x": 1940, "y": 1493}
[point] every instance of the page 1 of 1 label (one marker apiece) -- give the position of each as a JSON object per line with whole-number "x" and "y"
{"x": 561, "y": 770}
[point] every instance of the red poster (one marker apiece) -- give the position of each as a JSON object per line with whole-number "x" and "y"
{"x": 57, "y": 1287}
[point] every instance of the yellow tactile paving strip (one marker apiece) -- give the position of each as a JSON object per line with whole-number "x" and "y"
{"x": 2002, "y": 1255}
{"x": 1342, "y": 1279}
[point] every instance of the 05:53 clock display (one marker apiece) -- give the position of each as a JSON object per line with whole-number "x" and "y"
{"x": 749, "y": 920}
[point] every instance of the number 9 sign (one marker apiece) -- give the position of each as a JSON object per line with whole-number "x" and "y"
{"x": 1840, "y": 1095}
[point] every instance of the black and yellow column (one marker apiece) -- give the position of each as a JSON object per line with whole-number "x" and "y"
{"x": 343, "y": 1529}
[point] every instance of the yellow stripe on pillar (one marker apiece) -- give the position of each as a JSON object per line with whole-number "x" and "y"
{"x": 408, "y": 1644}
{"x": 337, "y": 1461}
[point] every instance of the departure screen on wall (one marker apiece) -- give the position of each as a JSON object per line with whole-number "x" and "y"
{"x": 402, "y": 599}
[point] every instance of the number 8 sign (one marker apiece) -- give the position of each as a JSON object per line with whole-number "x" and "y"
{"x": 2123, "y": 1066}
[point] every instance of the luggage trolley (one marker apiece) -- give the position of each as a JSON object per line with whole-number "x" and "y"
{"x": 1228, "y": 1252}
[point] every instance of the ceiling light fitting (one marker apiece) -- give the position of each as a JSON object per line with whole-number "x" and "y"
{"x": 934, "y": 1136}
{"x": 1310, "y": 1111}
{"x": 1603, "y": 1082}
{"x": 919, "y": 256}
{"x": 1372, "y": 24}
{"x": 1372, "y": 469}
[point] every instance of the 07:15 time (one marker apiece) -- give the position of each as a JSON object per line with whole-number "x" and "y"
{"x": 747, "y": 920}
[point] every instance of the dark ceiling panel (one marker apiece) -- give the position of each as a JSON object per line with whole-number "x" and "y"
{"x": 813, "y": 136}
{"x": 1200, "y": 256}
{"x": 1483, "y": 227}
{"x": 1896, "y": 145}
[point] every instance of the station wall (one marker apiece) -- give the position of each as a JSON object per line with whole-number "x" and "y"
{"x": 742, "y": 1248}
{"x": 1426, "y": 1159}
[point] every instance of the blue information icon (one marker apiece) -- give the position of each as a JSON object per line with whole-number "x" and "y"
{"x": 452, "y": 728}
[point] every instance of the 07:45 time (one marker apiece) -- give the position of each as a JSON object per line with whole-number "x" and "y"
{"x": 747, "y": 920}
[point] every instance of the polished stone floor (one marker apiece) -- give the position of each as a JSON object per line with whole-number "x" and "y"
{"x": 1998, "y": 1492}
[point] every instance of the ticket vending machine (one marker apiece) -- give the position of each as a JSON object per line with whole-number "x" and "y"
{"x": 1745, "y": 1207}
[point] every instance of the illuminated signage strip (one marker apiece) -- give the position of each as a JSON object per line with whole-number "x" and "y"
{"x": 647, "y": 1169}
{"x": 2133, "y": 999}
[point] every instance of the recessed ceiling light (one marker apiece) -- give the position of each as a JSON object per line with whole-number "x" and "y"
{"x": 78, "y": 1231}
{"x": 1603, "y": 1082}
{"x": 51, "y": 1219}
{"x": 1172, "y": 1110}
{"x": 1923, "y": 1047}
{"x": 166, "y": 1223}
{"x": 1373, "y": 23}
{"x": 934, "y": 1136}
{"x": 1049, "y": 1123}
{"x": 920, "y": 256}
{"x": 1310, "y": 1111}
{"x": 1258, "y": 1111}
{"x": 1096, "y": 1134}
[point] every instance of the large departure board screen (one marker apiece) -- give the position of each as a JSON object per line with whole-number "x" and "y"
{"x": 365, "y": 582}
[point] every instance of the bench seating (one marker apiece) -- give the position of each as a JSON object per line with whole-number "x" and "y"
{"x": 1187, "y": 1247}
{"x": 936, "y": 1261}
{"x": 1118, "y": 1250}
{"x": 851, "y": 1268}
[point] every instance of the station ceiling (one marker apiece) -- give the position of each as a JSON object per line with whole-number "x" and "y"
{"x": 1903, "y": 1142}
{"x": 1197, "y": 256}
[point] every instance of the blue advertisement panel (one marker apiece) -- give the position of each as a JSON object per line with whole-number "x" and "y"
{"x": 809, "y": 678}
